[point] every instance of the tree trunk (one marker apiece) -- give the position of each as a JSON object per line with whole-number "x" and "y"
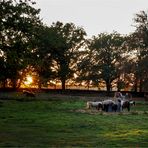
{"x": 140, "y": 85}
{"x": 63, "y": 84}
{"x": 14, "y": 84}
{"x": 40, "y": 82}
{"x": 108, "y": 86}
{"x": 135, "y": 85}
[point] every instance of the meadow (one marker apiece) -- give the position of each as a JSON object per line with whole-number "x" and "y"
{"x": 63, "y": 121}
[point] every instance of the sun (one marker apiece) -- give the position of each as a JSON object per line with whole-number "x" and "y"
{"x": 29, "y": 80}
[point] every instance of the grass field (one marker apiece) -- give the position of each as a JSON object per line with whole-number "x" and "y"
{"x": 63, "y": 121}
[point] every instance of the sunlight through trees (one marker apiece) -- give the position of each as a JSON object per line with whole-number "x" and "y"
{"x": 55, "y": 58}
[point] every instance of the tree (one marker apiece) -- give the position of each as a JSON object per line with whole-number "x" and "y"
{"x": 18, "y": 21}
{"x": 138, "y": 45}
{"x": 42, "y": 59}
{"x": 141, "y": 21}
{"x": 87, "y": 68}
{"x": 108, "y": 56}
{"x": 65, "y": 43}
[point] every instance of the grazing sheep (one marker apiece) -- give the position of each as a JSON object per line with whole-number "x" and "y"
{"x": 132, "y": 103}
{"x": 125, "y": 104}
{"x": 109, "y": 105}
{"x": 115, "y": 107}
{"x": 97, "y": 105}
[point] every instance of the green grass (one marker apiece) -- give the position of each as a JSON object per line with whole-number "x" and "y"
{"x": 66, "y": 123}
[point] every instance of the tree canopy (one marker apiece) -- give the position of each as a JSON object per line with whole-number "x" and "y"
{"x": 55, "y": 52}
{"x": 18, "y": 21}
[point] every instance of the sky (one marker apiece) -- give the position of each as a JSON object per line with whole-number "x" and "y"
{"x": 95, "y": 16}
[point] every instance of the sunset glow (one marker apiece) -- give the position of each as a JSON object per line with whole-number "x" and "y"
{"x": 29, "y": 80}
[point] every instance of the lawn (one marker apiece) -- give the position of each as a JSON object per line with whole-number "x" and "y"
{"x": 63, "y": 121}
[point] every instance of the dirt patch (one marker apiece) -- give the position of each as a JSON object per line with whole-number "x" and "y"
{"x": 94, "y": 112}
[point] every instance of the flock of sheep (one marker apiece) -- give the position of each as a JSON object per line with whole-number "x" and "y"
{"x": 117, "y": 104}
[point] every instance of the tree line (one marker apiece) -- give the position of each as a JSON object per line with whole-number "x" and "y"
{"x": 63, "y": 51}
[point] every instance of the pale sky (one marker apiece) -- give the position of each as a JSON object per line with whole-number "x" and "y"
{"x": 95, "y": 16}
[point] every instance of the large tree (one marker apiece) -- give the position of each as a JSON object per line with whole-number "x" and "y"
{"x": 18, "y": 21}
{"x": 108, "y": 55}
{"x": 42, "y": 59}
{"x": 87, "y": 67}
{"x": 138, "y": 45}
{"x": 141, "y": 21}
{"x": 65, "y": 41}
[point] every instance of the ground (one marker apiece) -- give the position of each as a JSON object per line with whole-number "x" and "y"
{"x": 63, "y": 121}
